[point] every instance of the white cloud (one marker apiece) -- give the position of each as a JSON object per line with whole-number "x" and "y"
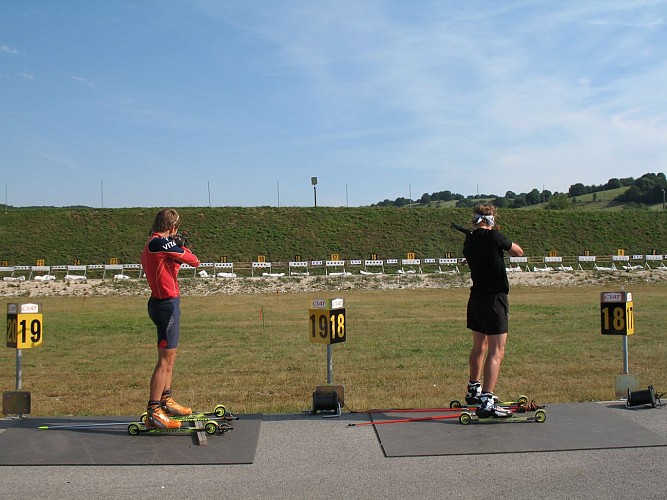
{"x": 6, "y": 49}
{"x": 83, "y": 81}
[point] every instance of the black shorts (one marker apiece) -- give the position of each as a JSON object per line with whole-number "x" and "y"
{"x": 488, "y": 313}
{"x": 166, "y": 314}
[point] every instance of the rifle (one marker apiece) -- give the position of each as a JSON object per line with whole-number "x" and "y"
{"x": 464, "y": 230}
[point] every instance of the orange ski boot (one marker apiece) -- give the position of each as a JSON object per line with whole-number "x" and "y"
{"x": 158, "y": 419}
{"x": 171, "y": 407}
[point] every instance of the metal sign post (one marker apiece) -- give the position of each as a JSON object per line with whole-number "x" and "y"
{"x": 19, "y": 372}
{"x": 24, "y": 331}
{"x": 329, "y": 364}
{"x": 328, "y": 326}
{"x": 617, "y": 318}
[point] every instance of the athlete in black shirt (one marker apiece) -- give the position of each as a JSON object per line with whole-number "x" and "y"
{"x": 488, "y": 307}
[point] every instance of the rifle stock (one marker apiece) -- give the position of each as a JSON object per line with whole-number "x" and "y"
{"x": 462, "y": 229}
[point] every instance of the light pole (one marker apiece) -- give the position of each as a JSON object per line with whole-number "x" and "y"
{"x": 663, "y": 199}
{"x": 313, "y": 181}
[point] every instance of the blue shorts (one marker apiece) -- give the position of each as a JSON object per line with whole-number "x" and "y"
{"x": 488, "y": 313}
{"x": 166, "y": 314}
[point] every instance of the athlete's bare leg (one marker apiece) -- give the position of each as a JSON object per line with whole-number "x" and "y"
{"x": 476, "y": 361}
{"x": 496, "y": 352}
{"x": 161, "y": 378}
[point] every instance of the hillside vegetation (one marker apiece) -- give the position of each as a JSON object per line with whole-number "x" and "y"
{"x": 61, "y": 235}
{"x": 647, "y": 192}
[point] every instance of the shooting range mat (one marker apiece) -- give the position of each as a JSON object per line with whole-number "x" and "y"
{"x": 579, "y": 426}
{"x": 22, "y": 443}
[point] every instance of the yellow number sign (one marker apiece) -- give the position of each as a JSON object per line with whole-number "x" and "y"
{"x": 327, "y": 321}
{"x": 24, "y": 326}
{"x": 617, "y": 313}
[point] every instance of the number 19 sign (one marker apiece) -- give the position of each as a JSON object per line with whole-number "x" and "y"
{"x": 327, "y": 321}
{"x": 24, "y": 326}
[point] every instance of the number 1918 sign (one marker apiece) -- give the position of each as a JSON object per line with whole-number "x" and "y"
{"x": 327, "y": 321}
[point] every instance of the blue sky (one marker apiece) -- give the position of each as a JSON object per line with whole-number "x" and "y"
{"x": 240, "y": 102}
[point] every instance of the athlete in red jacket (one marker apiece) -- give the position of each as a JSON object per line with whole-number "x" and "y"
{"x": 161, "y": 259}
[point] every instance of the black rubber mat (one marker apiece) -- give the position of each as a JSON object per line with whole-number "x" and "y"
{"x": 578, "y": 426}
{"x": 22, "y": 443}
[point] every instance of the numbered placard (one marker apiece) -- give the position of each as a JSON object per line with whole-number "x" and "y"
{"x": 327, "y": 321}
{"x": 24, "y": 326}
{"x": 617, "y": 313}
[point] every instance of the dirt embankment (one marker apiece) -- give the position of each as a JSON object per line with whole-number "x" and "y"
{"x": 307, "y": 284}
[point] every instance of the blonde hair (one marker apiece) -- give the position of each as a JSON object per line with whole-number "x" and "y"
{"x": 165, "y": 220}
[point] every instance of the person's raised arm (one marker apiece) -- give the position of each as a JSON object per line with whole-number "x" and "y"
{"x": 515, "y": 250}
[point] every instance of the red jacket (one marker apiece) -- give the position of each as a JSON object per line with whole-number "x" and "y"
{"x": 161, "y": 260}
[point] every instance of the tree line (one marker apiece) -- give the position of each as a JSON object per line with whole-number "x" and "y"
{"x": 649, "y": 189}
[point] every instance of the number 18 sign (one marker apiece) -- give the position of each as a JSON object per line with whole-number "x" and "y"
{"x": 327, "y": 321}
{"x": 617, "y": 313}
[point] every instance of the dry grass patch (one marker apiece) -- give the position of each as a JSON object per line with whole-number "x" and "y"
{"x": 405, "y": 348}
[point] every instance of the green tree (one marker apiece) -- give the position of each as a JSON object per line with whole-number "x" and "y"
{"x": 559, "y": 201}
{"x": 577, "y": 189}
{"x": 533, "y": 198}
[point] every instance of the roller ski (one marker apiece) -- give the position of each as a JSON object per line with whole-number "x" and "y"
{"x": 472, "y": 403}
{"x": 467, "y": 417}
{"x": 219, "y": 413}
{"x": 474, "y": 398}
{"x": 521, "y": 405}
{"x": 490, "y": 411}
{"x": 210, "y": 427}
{"x": 521, "y": 402}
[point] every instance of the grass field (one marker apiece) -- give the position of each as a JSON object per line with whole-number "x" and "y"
{"x": 405, "y": 348}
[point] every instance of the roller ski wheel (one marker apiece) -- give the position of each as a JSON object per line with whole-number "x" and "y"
{"x": 465, "y": 418}
{"x": 540, "y": 416}
{"x": 211, "y": 428}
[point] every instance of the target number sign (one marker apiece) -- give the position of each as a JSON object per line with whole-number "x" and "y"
{"x": 327, "y": 321}
{"x": 24, "y": 326}
{"x": 617, "y": 315}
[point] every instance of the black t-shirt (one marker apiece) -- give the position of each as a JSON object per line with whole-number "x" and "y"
{"x": 483, "y": 250}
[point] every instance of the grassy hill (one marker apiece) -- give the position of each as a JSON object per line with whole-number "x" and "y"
{"x": 601, "y": 200}
{"x": 60, "y": 235}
